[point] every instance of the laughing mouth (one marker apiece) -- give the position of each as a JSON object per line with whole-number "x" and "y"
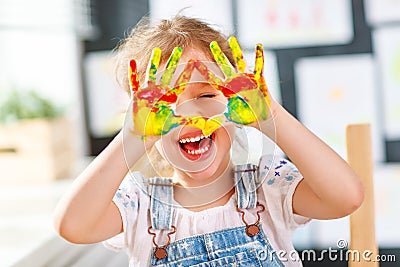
{"x": 196, "y": 145}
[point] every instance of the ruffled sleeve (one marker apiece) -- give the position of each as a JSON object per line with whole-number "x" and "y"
{"x": 128, "y": 202}
{"x": 280, "y": 178}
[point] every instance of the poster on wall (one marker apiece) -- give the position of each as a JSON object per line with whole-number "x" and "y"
{"x": 292, "y": 23}
{"x": 217, "y": 13}
{"x": 319, "y": 234}
{"x": 387, "y": 47}
{"x": 334, "y": 91}
{"x": 387, "y": 211}
{"x": 382, "y": 11}
{"x": 107, "y": 102}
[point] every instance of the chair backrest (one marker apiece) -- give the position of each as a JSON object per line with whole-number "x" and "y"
{"x": 362, "y": 222}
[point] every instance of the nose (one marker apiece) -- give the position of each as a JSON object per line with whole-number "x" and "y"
{"x": 205, "y": 107}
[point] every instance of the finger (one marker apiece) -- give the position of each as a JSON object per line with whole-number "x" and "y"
{"x": 184, "y": 77}
{"x": 171, "y": 65}
{"x": 207, "y": 74}
{"x": 171, "y": 96}
{"x": 133, "y": 77}
{"x": 213, "y": 80}
{"x": 237, "y": 54}
{"x": 259, "y": 64}
{"x": 213, "y": 124}
{"x": 153, "y": 65}
{"x": 207, "y": 126}
{"x": 258, "y": 72}
{"x": 222, "y": 60}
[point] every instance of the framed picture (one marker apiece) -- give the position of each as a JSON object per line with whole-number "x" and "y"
{"x": 290, "y": 23}
{"x": 387, "y": 48}
{"x": 107, "y": 102}
{"x": 387, "y": 213}
{"x": 217, "y": 13}
{"x": 379, "y": 12}
{"x": 334, "y": 91}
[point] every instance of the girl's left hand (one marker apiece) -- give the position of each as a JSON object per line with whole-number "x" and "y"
{"x": 248, "y": 97}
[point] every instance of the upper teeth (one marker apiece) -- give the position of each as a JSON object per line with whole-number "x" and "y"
{"x": 193, "y": 139}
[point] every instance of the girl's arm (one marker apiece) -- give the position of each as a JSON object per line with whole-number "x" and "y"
{"x": 86, "y": 213}
{"x": 330, "y": 188}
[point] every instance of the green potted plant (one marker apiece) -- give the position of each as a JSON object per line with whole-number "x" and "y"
{"x": 35, "y": 139}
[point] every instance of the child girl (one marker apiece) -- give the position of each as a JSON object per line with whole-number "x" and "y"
{"x": 207, "y": 211}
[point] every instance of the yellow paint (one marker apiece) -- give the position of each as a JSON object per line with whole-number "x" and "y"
{"x": 207, "y": 126}
{"x": 336, "y": 93}
{"x": 237, "y": 54}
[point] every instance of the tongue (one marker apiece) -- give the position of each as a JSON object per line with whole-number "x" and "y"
{"x": 196, "y": 145}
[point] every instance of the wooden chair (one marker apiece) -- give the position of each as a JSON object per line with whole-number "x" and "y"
{"x": 362, "y": 222}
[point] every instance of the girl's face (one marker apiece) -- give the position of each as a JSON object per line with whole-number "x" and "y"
{"x": 200, "y": 158}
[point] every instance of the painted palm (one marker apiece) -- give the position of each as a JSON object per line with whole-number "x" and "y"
{"x": 153, "y": 105}
{"x": 247, "y": 93}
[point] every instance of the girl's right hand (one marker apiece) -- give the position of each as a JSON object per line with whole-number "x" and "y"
{"x": 152, "y": 112}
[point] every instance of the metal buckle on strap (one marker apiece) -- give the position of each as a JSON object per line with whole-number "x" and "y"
{"x": 161, "y": 251}
{"x": 252, "y": 229}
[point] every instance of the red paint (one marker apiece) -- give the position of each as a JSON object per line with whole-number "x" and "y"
{"x": 134, "y": 77}
{"x": 238, "y": 84}
{"x": 203, "y": 70}
{"x": 187, "y": 72}
{"x": 272, "y": 18}
{"x": 169, "y": 97}
{"x": 294, "y": 19}
{"x": 135, "y": 108}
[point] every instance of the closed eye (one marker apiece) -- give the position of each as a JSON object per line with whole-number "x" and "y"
{"x": 207, "y": 96}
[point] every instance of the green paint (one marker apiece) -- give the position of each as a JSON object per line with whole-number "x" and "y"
{"x": 171, "y": 65}
{"x": 222, "y": 60}
{"x": 237, "y": 54}
{"x": 153, "y": 64}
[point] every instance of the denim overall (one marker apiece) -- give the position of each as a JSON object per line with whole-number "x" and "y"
{"x": 241, "y": 246}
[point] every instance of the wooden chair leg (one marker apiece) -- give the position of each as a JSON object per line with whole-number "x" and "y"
{"x": 362, "y": 222}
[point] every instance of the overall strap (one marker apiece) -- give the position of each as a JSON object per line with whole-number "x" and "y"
{"x": 161, "y": 194}
{"x": 246, "y": 183}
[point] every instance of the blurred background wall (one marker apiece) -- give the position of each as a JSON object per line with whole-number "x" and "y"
{"x": 325, "y": 59}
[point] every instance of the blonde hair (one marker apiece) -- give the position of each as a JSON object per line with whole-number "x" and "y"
{"x": 179, "y": 31}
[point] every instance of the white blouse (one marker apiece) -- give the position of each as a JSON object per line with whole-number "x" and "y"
{"x": 278, "y": 220}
